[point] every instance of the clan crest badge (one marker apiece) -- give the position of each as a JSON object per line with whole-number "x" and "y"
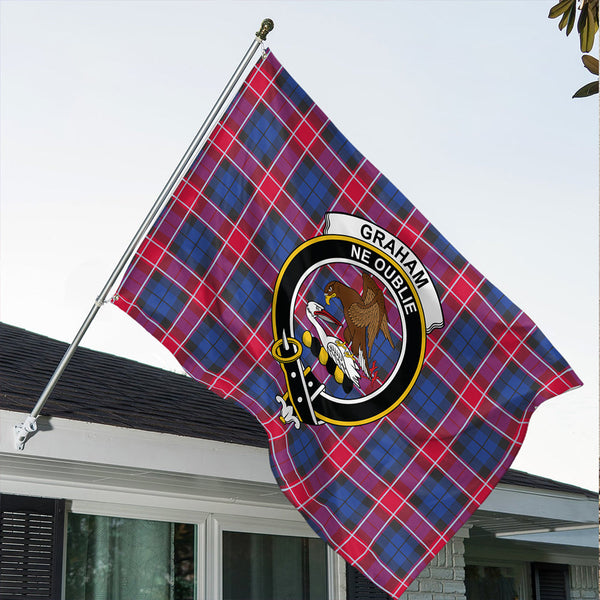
{"x": 351, "y": 312}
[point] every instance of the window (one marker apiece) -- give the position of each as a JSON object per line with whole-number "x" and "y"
{"x": 492, "y": 582}
{"x": 268, "y": 559}
{"x": 262, "y": 567}
{"x": 131, "y": 552}
{"x": 129, "y": 559}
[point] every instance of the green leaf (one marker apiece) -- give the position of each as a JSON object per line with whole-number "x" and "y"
{"x": 587, "y": 37}
{"x": 567, "y": 17}
{"x": 593, "y": 9}
{"x": 592, "y": 27}
{"x": 582, "y": 21}
{"x": 572, "y": 15}
{"x": 560, "y": 8}
{"x": 591, "y": 63}
{"x": 586, "y": 31}
{"x": 587, "y": 90}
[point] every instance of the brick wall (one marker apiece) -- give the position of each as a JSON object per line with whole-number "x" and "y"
{"x": 583, "y": 582}
{"x": 444, "y": 578}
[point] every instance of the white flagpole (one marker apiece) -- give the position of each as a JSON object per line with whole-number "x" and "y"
{"x": 29, "y": 426}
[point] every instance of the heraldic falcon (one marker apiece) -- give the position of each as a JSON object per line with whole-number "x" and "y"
{"x": 365, "y": 316}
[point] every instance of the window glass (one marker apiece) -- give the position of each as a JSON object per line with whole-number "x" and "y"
{"x": 273, "y": 567}
{"x": 129, "y": 559}
{"x": 491, "y": 582}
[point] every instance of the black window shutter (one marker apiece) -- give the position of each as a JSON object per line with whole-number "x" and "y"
{"x": 358, "y": 587}
{"x": 31, "y": 547}
{"x": 550, "y": 582}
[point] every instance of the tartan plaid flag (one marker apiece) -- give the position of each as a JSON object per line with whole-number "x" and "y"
{"x": 394, "y": 381}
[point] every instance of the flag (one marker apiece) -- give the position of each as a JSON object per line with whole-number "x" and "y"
{"x": 394, "y": 381}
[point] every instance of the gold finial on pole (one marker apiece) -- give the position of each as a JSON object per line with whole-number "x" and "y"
{"x": 265, "y": 27}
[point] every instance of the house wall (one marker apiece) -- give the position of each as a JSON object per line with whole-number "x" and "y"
{"x": 444, "y": 578}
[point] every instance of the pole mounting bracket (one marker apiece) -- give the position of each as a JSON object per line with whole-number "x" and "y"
{"x": 23, "y": 430}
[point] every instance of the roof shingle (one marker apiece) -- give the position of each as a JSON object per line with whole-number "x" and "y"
{"x": 101, "y": 388}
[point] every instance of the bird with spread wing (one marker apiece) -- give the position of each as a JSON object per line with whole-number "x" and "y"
{"x": 366, "y": 315}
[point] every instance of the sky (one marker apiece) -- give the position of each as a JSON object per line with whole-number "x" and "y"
{"x": 464, "y": 105}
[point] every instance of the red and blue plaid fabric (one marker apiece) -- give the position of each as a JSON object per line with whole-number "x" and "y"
{"x": 387, "y": 495}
